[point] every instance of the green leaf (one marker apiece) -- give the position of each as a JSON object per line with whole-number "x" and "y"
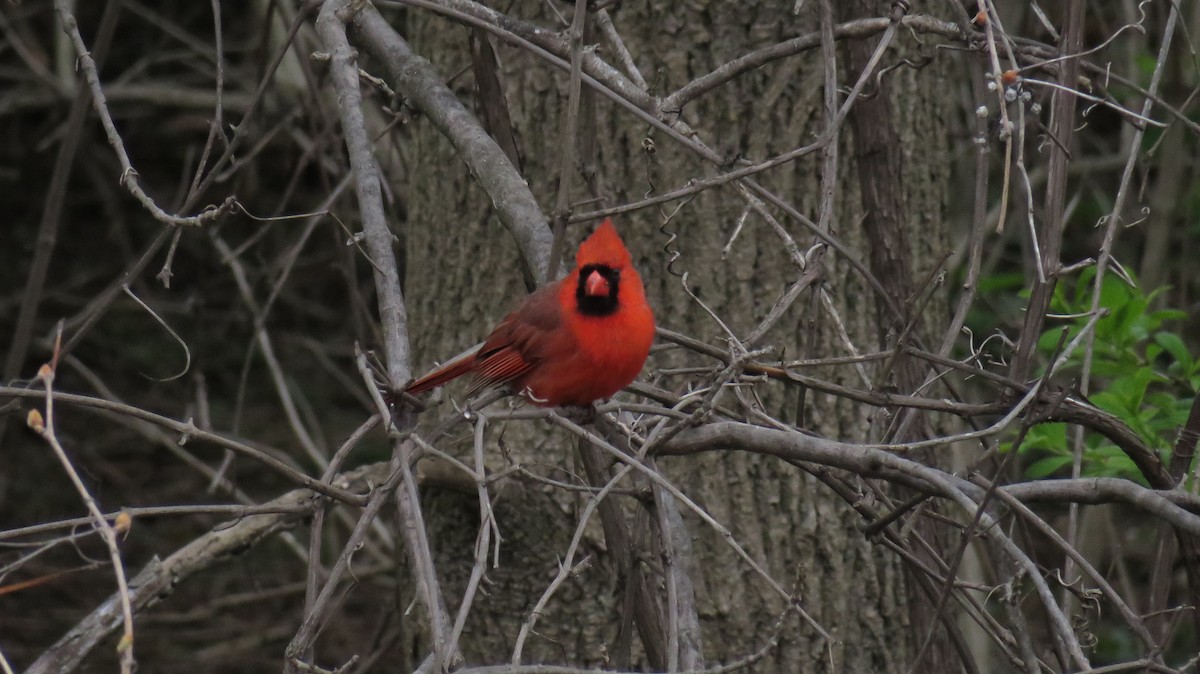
{"x": 1109, "y": 461}
{"x": 1153, "y": 351}
{"x": 1120, "y": 466}
{"x": 1049, "y": 338}
{"x": 1047, "y": 438}
{"x": 1169, "y": 314}
{"x": 1125, "y": 394}
{"x": 1174, "y": 345}
{"x": 1044, "y": 467}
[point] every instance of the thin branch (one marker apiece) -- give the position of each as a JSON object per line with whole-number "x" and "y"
{"x": 567, "y": 137}
{"x": 129, "y": 176}
{"x": 566, "y": 566}
{"x": 851, "y": 30}
{"x": 317, "y": 614}
{"x": 158, "y": 579}
{"x": 45, "y": 428}
{"x": 52, "y": 208}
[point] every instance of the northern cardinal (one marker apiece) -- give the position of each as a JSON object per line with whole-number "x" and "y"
{"x": 572, "y": 342}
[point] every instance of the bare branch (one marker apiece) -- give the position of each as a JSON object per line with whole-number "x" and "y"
{"x": 129, "y": 176}
{"x": 415, "y": 78}
{"x": 158, "y": 579}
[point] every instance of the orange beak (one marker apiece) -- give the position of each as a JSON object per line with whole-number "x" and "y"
{"x": 595, "y": 285}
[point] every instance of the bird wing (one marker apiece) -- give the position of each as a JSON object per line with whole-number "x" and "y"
{"x": 520, "y": 342}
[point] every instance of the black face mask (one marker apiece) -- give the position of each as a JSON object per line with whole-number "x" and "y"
{"x": 597, "y": 305}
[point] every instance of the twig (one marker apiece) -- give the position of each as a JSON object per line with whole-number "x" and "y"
{"x": 190, "y": 432}
{"x": 1136, "y": 625}
{"x": 52, "y": 208}
{"x": 45, "y": 428}
{"x": 567, "y": 566}
{"x": 641, "y": 604}
{"x": 604, "y": 21}
{"x": 158, "y": 579}
{"x": 686, "y": 649}
{"x": 218, "y": 120}
{"x": 487, "y": 526}
{"x": 567, "y": 137}
{"x": 745, "y": 437}
{"x": 100, "y": 305}
{"x": 856, "y": 29}
{"x": 316, "y": 616}
{"x": 723, "y": 531}
{"x": 315, "y": 569}
{"x": 235, "y": 511}
{"x": 317, "y": 454}
{"x": 1062, "y": 126}
{"x": 129, "y": 176}
{"x": 331, "y": 25}
{"x": 1112, "y": 220}
{"x": 829, "y": 153}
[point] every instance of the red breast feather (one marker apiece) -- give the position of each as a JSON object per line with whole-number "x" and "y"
{"x": 610, "y": 348}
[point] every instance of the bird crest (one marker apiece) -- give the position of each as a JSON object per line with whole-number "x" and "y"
{"x": 603, "y": 247}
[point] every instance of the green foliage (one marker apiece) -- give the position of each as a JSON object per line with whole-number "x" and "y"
{"x": 1141, "y": 372}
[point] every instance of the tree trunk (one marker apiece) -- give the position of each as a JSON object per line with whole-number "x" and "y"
{"x": 463, "y": 274}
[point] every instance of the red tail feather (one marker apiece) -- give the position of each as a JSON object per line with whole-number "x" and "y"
{"x": 443, "y": 374}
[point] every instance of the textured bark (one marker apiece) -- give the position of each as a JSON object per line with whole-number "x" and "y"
{"x": 885, "y": 222}
{"x": 463, "y": 275}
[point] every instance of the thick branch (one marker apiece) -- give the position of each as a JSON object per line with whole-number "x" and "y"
{"x": 331, "y": 25}
{"x": 421, "y": 85}
{"x": 1070, "y": 410}
{"x": 871, "y": 462}
{"x": 1062, "y": 128}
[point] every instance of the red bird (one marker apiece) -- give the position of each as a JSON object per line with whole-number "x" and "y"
{"x": 574, "y": 341}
